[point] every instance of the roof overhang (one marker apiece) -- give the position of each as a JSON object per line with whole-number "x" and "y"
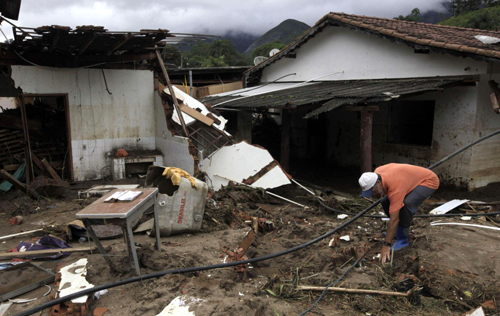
{"x": 328, "y": 95}
{"x": 386, "y": 30}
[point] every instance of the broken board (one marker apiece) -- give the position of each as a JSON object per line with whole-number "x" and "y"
{"x": 23, "y": 278}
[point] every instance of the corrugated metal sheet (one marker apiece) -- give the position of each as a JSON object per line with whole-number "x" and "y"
{"x": 351, "y": 92}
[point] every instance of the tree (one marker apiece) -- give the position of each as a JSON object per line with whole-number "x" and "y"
{"x": 264, "y": 49}
{"x": 219, "y": 53}
{"x": 172, "y": 55}
{"x": 214, "y": 62}
{"x": 458, "y": 7}
{"x": 413, "y": 16}
{"x": 483, "y": 21}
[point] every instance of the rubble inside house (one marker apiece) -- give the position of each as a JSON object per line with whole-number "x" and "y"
{"x": 445, "y": 271}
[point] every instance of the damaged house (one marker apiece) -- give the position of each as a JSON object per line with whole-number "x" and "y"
{"x": 357, "y": 91}
{"x": 88, "y": 104}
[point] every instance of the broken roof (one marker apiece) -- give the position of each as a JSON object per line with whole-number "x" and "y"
{"x": 330, "y": 94}
{"x": 62, "y": 46}
{"x": 458, "y": 41}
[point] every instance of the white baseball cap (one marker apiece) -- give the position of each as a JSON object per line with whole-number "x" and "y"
{"x": 367, "y": 181}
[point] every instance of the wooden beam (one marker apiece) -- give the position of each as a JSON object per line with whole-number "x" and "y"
{"x": 285, "y": 139}
{"x": 17, "y": 184}
{"x": 50, "y": 170}
{"x": 366, "y": 141}
{"x": 172, "y": 94}
{"x": 27, "y": 144}
{"x": 37, "y": 162}
{"x": 118, "y": 44}
{"x": 43, "y": 253}
{"x": 361, "y": 108}
{"x": 196, "y": 115}
{"x": 355, "y": 291}
{"x": 55, "y": 39}
{"x": 15, "y": 122}
{"x": 90, "y": 39}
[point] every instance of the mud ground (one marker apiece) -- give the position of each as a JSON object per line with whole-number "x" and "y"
{"x": 454, "y": 269}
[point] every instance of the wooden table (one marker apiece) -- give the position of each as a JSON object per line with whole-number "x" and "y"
{"x": 122, "y": 214}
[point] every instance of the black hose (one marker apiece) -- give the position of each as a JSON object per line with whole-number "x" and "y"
{"x": 192, "y": 269}
{"x": 431, "y": 167}
{"x": 417, "y": 215}
{"x": 228, "y": 264}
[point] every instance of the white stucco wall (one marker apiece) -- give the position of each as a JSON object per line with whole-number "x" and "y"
{"x": 175, "y": 149}
{"x": 338, "y": 53}
{"x": 100, "y": 122}
{"x": 462, "y": 114}
{"x": 7, "y": 103}
{"x": 485, "y": 164}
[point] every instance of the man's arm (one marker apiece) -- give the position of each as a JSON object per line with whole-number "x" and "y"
{"x": 385, "y": 254}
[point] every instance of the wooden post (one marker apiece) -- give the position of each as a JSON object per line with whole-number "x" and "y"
{"x": 27, "y": 145}
{"x": 285, "y": 139}
{"x": 50, "y": 170}
{"x": 169, "y": 84}
{"x": 366, "y": 140}
{"x": 19, "y": 185}
{"x": 355, "y": 291}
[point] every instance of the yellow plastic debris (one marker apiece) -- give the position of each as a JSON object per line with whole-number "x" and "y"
{"x": 175, "y": 175}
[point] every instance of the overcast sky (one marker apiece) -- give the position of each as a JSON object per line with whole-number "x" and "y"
{"x": 214, "y": 17}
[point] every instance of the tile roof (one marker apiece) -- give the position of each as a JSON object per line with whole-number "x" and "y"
{"x": 330, "y": 94}
{"x": 458, "y": 41}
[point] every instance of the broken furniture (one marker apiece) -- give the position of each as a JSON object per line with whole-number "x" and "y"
{"x": 180, "y": 207}
{"x": 23, "y": 278}
{"x": 123, "y": 214}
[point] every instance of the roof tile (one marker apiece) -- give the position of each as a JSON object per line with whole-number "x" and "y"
{"x": 452, "y": 38}
{"x": 441, "y": 36}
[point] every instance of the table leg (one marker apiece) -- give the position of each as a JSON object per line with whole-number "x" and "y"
{"x": 97, "y": 242}
{"x": 157, "y": 223}
{"x": 132, "y": 247}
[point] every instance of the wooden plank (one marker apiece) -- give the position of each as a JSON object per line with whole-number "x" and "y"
{"x": 16, "y": 183}
{"x": 15, "y": 122}
{"x": 43, "y": 253}
{"x": 360, "y": 108}
{"x": 27, "y": 149}
{"x": 355, "y": 291}
{"x": 12, "y": 167}
{"x": 172, "y": 94}
{"x": 50, "y": 170}
{"x": 196, "y": 115}
{"x": 37, "y": 162}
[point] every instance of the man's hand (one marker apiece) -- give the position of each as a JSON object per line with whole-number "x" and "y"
{"x": 385, "y": 254}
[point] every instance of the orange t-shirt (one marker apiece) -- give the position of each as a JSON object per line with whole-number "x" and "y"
{"x": 400, "y": 179}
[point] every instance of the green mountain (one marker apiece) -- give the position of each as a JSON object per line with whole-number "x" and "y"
{"x": 286, "y": 32}
{"x": 485, "y": 19}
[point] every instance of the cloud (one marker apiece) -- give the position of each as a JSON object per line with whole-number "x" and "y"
{"x": 215, "y": 17}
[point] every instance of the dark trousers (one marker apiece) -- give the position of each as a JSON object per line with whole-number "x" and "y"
{"x": 411, "y": 203}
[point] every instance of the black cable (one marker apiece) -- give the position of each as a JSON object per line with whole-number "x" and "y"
{"x": 430, "y": 168}
{"x": 417, "y": 215}
{"x": 192, "y": 269}
{"x": 228, "y": 264}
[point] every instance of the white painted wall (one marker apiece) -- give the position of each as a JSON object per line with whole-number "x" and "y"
{"x": 485, "y": 164}
{"x": 175, "y": 149}
{"x": 100, "y": 122}
{"x": 7, "y": 103}
{"x": 462, "y": 114}
{"x": 338, "y": 53}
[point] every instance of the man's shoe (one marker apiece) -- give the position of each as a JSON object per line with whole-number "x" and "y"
{"x": 402, "y": 235}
